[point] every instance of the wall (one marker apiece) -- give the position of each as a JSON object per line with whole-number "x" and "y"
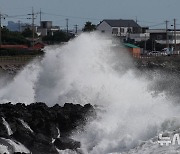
{"x": 104, "y": 28}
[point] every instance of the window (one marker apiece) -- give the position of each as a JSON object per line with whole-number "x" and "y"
{"x": 129, "y": 30}
{"x": 114, "y": 30}
{"x": 159, "y": 37}
{"x": 44, "y": 25}
{"x": 122, "y": 30}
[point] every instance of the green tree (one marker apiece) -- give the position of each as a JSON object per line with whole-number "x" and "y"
{"x": 57, "y": 37}
{"x": 89, "y": 27}
{"x": 28, "y": 33}
{"x": 9, "y": 37}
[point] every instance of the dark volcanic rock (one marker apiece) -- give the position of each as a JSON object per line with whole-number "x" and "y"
{"x": 66, "y": 143}
{"x": 37, "y": 125}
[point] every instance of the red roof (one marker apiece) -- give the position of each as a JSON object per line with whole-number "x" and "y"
{"x": 39, "y": 45}
{"x": 14, "y": 46}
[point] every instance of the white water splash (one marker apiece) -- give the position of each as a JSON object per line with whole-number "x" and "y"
{"x": 16, "y": 146}
{"x": 59, "y": 135}
{"x": 4, "y": 149}
{"x": 71, "y": 73}
{"x": 21, "y": 89}
{"x": 26, "y": 125}
{"x": 66, "y": 151}
{"x": 90, "y": 69}
{"x": 8, "y": 128}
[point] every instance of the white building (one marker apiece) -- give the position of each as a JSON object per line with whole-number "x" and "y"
{"x": 47, "y": 28}
{"x": 119, "y": 27}
{"x": 160, "y": 36}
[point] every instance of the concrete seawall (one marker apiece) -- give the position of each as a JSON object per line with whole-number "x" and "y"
{"x": 12, "y": 64}
{"x": 159, "y": 58}
{"x": 15, "y": 60}
{"x": 171, "y": 62}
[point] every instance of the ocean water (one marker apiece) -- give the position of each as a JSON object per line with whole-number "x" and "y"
{"x": 133, "y": 107}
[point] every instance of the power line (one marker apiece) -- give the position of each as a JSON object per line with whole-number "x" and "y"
{"x": 156, "y": 25}
{"x": 13, "y": 16}
{"x": 71, "y": 16}
{"x": 18, "y": 18}
{"x": 144, "y": 21}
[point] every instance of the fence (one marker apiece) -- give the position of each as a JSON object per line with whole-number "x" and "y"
{"x": 154, "y": 55}
{"x": 15, "y": 60}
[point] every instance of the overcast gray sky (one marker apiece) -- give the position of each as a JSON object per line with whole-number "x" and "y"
{"x": 148, "y": 12}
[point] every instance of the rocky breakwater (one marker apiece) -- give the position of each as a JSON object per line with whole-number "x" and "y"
{"x": 37, "y": 128}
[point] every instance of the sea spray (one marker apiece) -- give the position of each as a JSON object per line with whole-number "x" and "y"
{"x": 92, "y": 69}
{"x": 72, "y": 72}
{"x": 21, "y": 87}
{"x": 132, "y": 116}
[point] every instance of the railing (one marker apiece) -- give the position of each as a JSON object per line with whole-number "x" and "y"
{"x": 15, "y": 58}
{"x": 154, "y": 55}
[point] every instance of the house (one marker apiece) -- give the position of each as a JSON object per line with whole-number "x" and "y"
{"x": 119, "y": 27}
{"x": 47, "y": 28}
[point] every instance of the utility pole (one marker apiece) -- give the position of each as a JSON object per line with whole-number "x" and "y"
{"x": 0, "y": 30}
{"x": 1, "y": 16}
{"x": 19, "y": 24}
{"x": 145, "y": 43}
{"x": 76, "y": 27}
{"x": 33, "y": 27}
{"x": 167, "y": 38}
{"x": 33, "y": 18}
{"x": 67, "y": 25}
{"x": 174, "y": 34}
{"x": 40, "y": 16}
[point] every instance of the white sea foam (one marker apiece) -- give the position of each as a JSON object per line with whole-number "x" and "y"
{"x": 59, "y": 135}
{"x": 26, "y": 125}
{"x": 9, "y": 131}
{"x": 4, "y": 149}
{"x": 16, "y": 146}
{"x": 21, "y": 88}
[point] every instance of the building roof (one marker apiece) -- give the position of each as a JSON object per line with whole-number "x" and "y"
{"x": 128, "y": 45}
{"x": 122, "y": 23}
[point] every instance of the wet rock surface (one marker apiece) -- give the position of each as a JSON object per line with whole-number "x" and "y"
{"x": 43, "y": 129}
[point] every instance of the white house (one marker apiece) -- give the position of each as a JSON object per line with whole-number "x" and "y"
{"x": 119, "y": 27}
